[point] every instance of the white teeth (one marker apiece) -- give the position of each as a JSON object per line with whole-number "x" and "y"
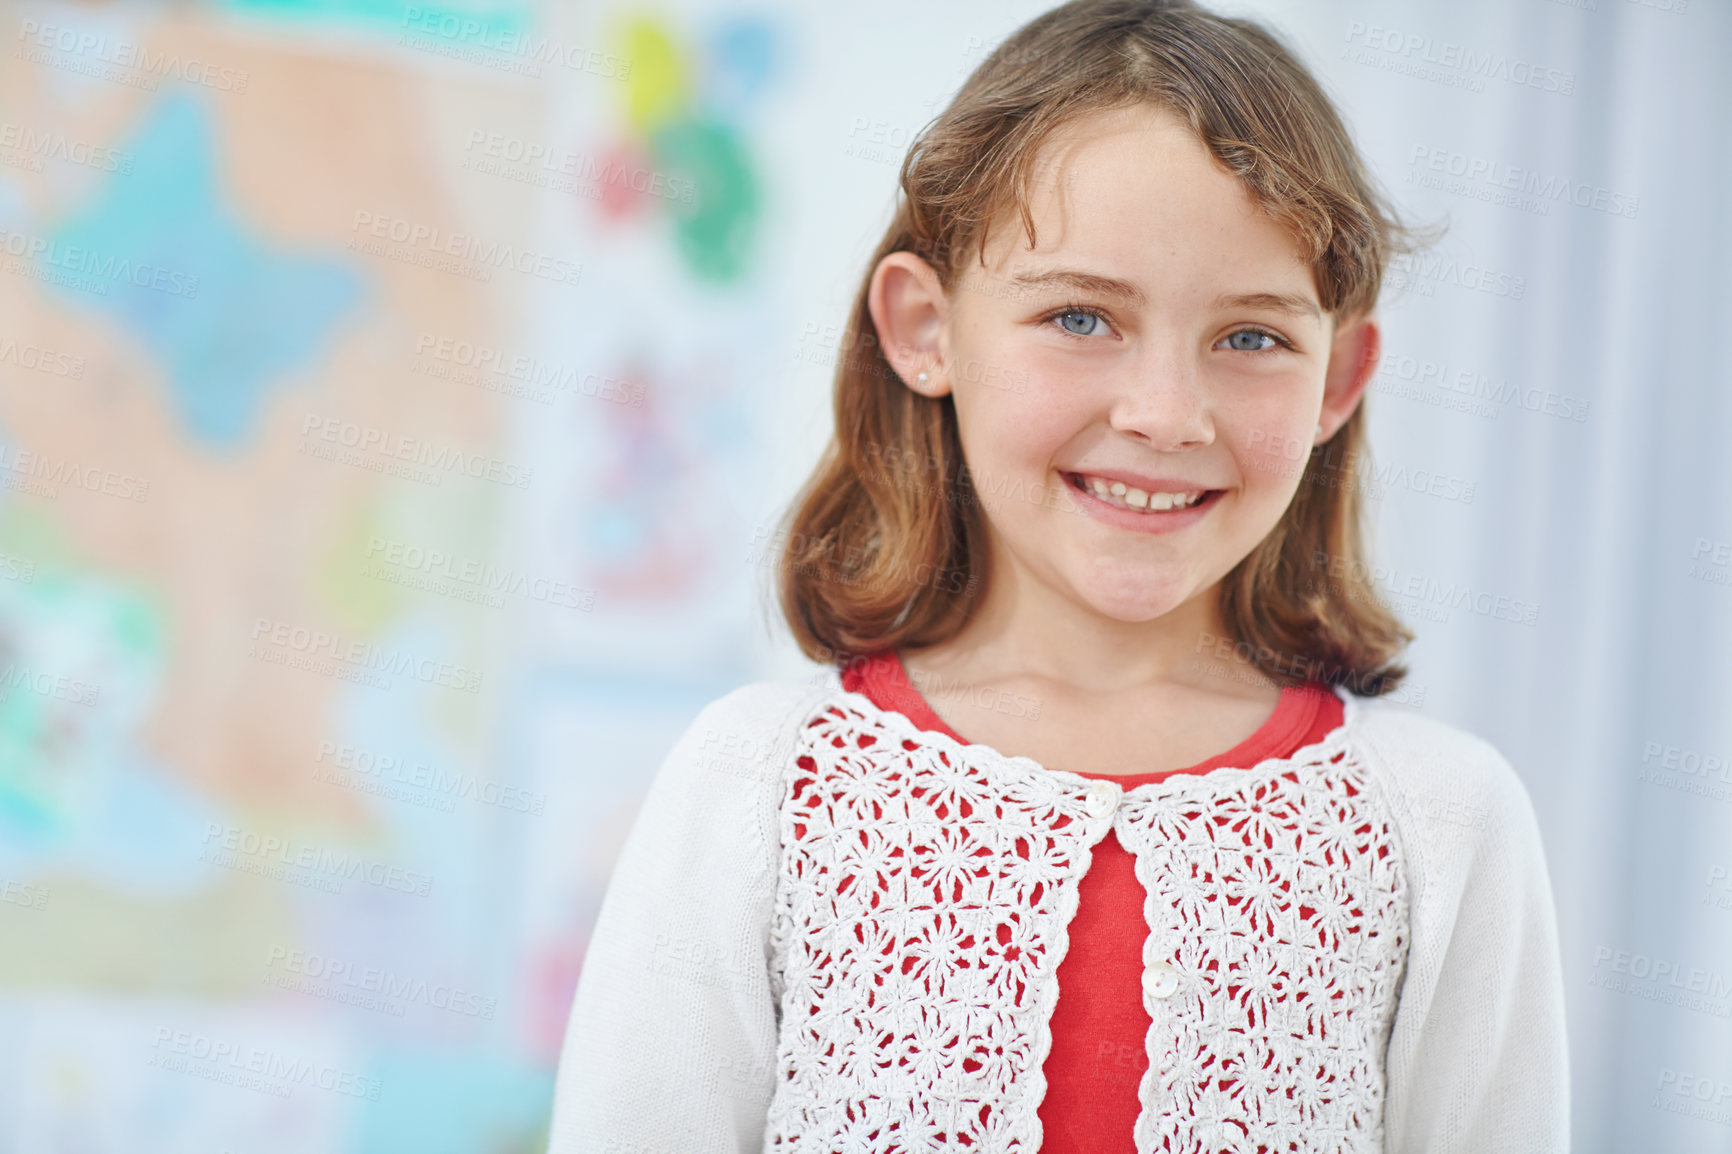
{"x": 1129, "y": 497}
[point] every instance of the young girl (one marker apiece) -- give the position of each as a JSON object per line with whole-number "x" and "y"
{"x": 1099, "y": 835}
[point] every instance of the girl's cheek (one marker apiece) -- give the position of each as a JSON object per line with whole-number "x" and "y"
{"x": 1272, "y": 442}
{"x": 1023, "y": 405}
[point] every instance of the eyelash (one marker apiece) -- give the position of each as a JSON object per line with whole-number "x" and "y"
{"x": 1066, "y": 310}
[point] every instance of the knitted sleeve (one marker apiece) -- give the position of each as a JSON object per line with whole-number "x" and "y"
{"x": 671, "y": 1044}
{"x": 1476, "y": 1061}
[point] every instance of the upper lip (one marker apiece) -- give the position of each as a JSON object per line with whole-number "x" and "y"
{"x": 1142, "y": 481}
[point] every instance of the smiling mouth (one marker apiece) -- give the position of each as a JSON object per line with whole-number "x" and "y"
{"x": 1129, "y": 497}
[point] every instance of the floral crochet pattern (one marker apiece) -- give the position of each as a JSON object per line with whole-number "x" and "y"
{"x": 1277, "y": 912}
{"x": 920, "y": 921}
{"x": 921, "y": 914}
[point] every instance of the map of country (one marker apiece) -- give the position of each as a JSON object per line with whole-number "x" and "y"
{"x": 314, "y": 752}
{"x": 227, "y": 313}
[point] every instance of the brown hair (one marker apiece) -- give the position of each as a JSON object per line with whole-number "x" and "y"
{"x": 885, "y": 544}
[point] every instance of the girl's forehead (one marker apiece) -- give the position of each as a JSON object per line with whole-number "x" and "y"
{"x": 1135, "y": 189}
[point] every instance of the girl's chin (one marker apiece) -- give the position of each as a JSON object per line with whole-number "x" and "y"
{"x": 1133, "y": 605}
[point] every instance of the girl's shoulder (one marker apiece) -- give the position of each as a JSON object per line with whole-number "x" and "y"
{"x": 771, "y": 703}
{"x": 1444, "y": 783}
{"x": 749, "y": 730}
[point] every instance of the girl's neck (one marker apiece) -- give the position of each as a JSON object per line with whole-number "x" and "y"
{"x": 1087, "y": 692}
{"x": 1021, "y": 627}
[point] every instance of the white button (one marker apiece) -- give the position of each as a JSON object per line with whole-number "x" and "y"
{"x": 1103, "y": 798}
{"x": 1160, "y": 980}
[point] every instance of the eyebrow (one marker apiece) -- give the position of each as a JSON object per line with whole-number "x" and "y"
{"x": 1083, "y": 282}
{"x": 1295, "y": 304}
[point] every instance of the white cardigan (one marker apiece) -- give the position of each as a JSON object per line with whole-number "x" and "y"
{"x": 831, "y": 931}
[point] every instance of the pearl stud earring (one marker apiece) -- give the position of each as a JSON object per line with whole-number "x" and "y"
{"x": 921, "y": 377}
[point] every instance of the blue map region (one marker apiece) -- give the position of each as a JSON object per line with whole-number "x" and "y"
{"x": 226, "y": 313}
{"x": 742, "y": 58}
{"x": 454, "y": 1101}
{"x": 503, "y": 16}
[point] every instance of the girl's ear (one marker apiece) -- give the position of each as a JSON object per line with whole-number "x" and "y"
{"x": 912, "y": 316}
{"x": 1353, "y": 357}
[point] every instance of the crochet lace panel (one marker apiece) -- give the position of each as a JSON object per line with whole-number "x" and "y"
{"x": 920, "y": 921}
{"x": 1277, "y": 898}
{"x": 921, "y": 914}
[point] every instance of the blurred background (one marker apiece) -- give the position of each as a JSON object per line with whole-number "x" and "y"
{"x": 397, "y": 402}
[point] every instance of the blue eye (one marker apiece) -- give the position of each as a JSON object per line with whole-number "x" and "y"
{"x": 1246, "y": 341}
{"x": 1093, "y": 320}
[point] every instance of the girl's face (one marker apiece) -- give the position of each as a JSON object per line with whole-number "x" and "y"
{"x": 1138, "y": 395}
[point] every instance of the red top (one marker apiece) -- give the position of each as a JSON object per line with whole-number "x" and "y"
{"x": 1099, "y": 1025}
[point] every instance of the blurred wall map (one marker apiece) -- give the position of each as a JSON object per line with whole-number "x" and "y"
{"x": 332, "y": 462}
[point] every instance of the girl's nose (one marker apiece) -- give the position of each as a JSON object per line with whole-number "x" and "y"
{"x": 1163, "y": 404}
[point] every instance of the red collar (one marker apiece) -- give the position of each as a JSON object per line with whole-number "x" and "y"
{"x": 1305, "y": 711}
